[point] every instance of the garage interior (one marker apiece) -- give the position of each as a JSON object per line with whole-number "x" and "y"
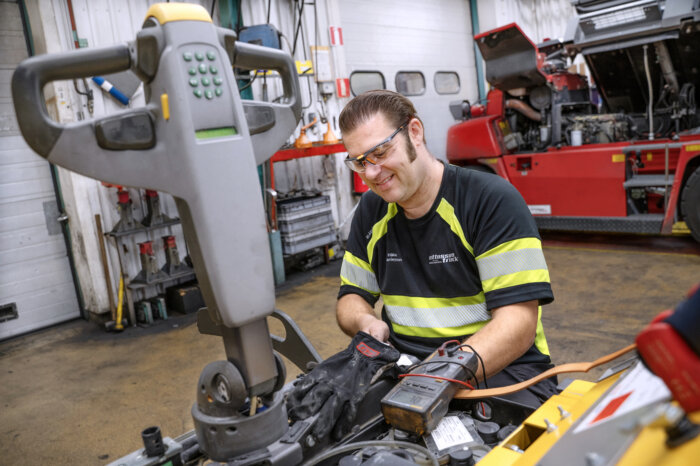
{"x": 74, "y": 391}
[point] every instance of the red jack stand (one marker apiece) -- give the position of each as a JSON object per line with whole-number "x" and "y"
{"x": 154, "y": 216}
{"x": 126, "y": 222}
{"x": 149, "y": 265}
{"x": 173, "y": 265}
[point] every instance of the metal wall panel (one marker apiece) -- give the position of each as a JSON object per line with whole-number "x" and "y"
{"x": 539, "y": 19}
{"x": 402, "y": 35}
{"x": 34, "y": 268}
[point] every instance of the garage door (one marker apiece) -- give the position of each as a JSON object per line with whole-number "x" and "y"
{"x": 36, "y": 284}
{"x": 421, "y": 49}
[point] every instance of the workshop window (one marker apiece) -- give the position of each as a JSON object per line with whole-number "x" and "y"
{"x": 410, "y": 83}
{"x": 446, "y": 82}
{"x": 363, "y": 81}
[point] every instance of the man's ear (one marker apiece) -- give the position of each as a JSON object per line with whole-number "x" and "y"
{"x": 416, "y": 132}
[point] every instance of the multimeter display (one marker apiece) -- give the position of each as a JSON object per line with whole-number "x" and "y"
{"x": 411, "y": 399}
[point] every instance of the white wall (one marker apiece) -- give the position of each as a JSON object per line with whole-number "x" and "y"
{"x": 539, "y": 19}
{"x": 412, "y": 35}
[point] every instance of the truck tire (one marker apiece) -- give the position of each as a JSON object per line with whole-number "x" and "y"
{"x": 690, "y": 203}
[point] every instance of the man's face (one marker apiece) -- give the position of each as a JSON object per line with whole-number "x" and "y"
{"x": 398, "y": 178}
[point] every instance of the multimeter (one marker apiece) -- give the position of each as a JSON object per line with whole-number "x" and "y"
{"x": 421, "y": 399}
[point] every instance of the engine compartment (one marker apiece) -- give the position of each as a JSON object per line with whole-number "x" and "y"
{"x": 547, "y": 104}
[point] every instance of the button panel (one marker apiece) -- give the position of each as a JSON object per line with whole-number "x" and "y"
{"x": 203, "y": 74}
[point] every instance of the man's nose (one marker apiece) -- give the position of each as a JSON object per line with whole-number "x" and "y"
{"x": 372, "y": 171}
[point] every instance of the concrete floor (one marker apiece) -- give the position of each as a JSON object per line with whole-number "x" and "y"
{"x": 76, "y": 395}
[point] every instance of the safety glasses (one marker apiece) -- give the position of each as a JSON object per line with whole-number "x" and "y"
{"x": 377, "y": 155}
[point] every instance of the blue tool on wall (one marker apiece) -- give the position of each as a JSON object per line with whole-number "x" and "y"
{"x": 109, "y": 88}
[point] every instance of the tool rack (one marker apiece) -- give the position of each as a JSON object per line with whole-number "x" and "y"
{"x": 136, "y": 287}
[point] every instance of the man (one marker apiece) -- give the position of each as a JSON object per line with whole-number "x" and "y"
{"x": 453, "y": 253}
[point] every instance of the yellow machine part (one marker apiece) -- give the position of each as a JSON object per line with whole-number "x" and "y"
{"x": 533, "y": 437}
{"x": 166, "y": 12}
{"x": 650, "y": 449}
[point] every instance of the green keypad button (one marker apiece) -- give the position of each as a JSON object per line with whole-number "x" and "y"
{"x": 209, "y": 94}
{"x": 192, "y": 71}
{"x": 205, "y": 81}
{"x": 218, "y": 91}
{"x": 187, "y": 56}
{"x": 203, "y": 68}
{"x": 199, "y": 56}
{"x": 197, "y": 93}
{"x": 213, "y": 69}
{"x": 218, "y": 81}
{"x": 211, "y": 56}
{"x": 194, "y": 82}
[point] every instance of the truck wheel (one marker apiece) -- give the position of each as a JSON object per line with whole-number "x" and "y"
{"x": 690, "y": 203}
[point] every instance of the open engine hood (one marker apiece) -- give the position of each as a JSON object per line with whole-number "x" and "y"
{"x": 510, "y": 57}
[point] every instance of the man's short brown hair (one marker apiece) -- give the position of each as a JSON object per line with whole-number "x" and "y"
{"x": 395, "y": 107}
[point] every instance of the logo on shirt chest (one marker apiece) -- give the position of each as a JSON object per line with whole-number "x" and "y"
{"x": 393, "y": 257}
{"x": 442, "y": 258}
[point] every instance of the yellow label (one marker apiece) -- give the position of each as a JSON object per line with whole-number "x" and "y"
{"x": 616, "y": 158}
{"x": 165, "y": 105}
{"x": 693, "y": 148}
{"x": 490, "y": 161}
{"x": 649, "y": 157}
{"x": 305, "y": 67}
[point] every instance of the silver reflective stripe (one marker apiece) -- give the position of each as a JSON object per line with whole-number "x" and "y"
{"x": 441, "y": 317}
{"x": 510, "y": 262}
{"x": 359, "y": 276}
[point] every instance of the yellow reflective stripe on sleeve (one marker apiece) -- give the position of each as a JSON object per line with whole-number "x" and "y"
{"x": 510, "y": 262}
{"x": 515, "y": 279}
{"x": 514, "y": 245}
{"x": 379, "y": 229}
{"x": 354, "y": 260}
{"x": 540, "y": 340}
{"x": 344, "y": 281}
{"x": 437, "y": 332}
{"x": 358, "y": 273}
{"x": 447, "y": 212}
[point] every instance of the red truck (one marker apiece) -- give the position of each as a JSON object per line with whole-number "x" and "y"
{"x": 618, "y": 154}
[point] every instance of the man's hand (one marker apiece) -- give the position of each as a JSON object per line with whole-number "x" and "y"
{"x": 354, "y": 315}
{"x": 375, "y": 327}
